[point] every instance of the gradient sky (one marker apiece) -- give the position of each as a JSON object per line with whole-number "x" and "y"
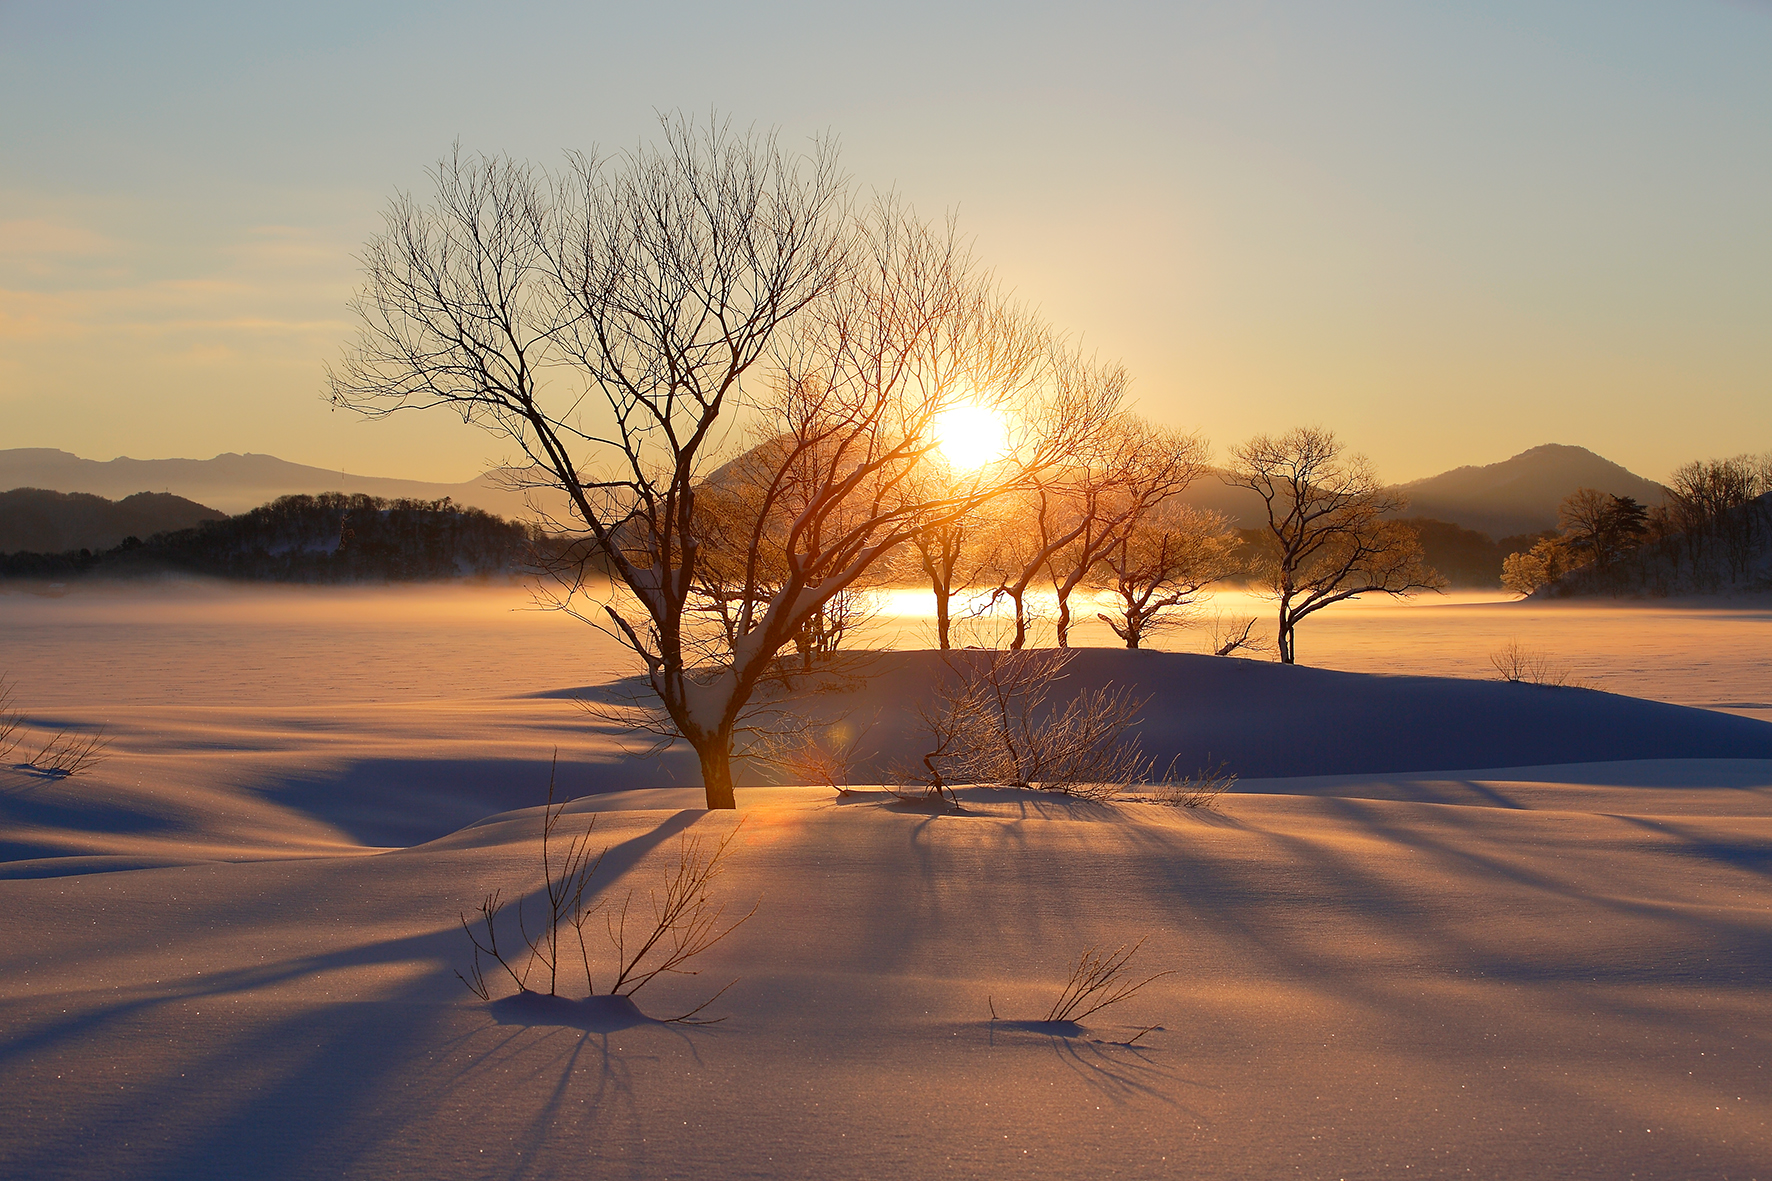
{"x": 1449, "y": 232}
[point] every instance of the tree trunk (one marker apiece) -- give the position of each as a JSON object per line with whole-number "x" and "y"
{"x": 1021, "y": 624}
{"x": 942, "y": 595}
{"x": 715, "y": 753}
{"x": 1284, "y": 638}
{"x": 1064, "y": 620}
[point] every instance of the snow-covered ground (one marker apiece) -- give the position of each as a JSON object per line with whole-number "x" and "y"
{"x": 209, "y": 968}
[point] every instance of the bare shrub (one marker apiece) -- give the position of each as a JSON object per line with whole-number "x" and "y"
{"x": 1099, "y": 981}
{"x": 685, "y": 920}
{"x": 818, "y": 756}
{"x": 10, "y": 720}
{"x": 1521, "y": 665}
{"x": 992, "y": 720}
{"x": 1199, "y": 790}
{"x": 66, "y": 754}
{"x": 565, "y": 878}
{"x": 69, "y": 753}
{"x": 1234, "y": 633}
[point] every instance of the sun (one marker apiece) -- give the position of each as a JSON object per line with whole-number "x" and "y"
{"x": 970, "y": 436}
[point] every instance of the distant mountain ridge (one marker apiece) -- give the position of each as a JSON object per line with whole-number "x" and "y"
{"x": 1515, "y": 496}
{"x": 230, "y": 482}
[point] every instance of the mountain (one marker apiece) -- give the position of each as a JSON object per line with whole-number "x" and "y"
{"x": 232, "y": 483}
{"x": 54, "y": 522}
{"x": 1516, "y": 496}
{"x": 1521, "y": 495}
{"x": 1241, "y": 507}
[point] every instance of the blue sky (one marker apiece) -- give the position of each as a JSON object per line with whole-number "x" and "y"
{"x": 1450, "y": 232}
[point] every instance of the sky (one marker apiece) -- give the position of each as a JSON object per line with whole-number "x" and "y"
{"x": 1449, "y": 232}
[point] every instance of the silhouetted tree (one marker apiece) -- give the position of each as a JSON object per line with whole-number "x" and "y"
{"x": 1598, "y": 526}
{"x": 605, "y": 320}
{"x": 1148, "y": 465}
{"x": 1080, "y": 509}
{"x": 1327, "y": 539}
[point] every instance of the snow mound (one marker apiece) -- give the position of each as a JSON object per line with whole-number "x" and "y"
{"x": 1263, "y": 720}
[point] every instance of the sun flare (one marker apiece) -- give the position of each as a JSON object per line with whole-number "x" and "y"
{"x": 970, "y": 436}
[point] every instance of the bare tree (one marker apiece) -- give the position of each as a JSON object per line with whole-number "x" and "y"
{"x": 1162, "y": 563}
{"x": 1226, "y": 634}
{"x": 956, "y": 556}
{"x": 1075, "y": 512}
{"x": 1327, "y": 536}
{"x": 1143, "y": 467}
{"x": 1708, "y": 502}
{"x": 643, "y": 288}
{"x": 1601, "y": 526}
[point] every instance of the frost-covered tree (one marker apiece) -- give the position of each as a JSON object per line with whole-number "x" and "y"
{"x": 1161, "y": 564}
{"x": 1327, "y": 536}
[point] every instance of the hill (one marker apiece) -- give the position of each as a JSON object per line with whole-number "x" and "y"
{"x": 327, "y": 538}
{"x": 230, "y": 482}
{"x": 54, "y": 522}
{"x": 1521, "y": 495}
{"x": 1513, "y": 497}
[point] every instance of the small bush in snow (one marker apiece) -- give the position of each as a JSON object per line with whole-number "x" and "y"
{"x": 684, "y": 921}
{"x": 994, "y": 720}
{"x": 1200, "y": 790}
{"x": 1098, "y": 981}
{"x": 1520, "y": 665}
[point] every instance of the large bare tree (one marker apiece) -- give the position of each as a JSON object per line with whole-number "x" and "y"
{"x": 1327, "y": 536}
{"x": 605, "y": 319}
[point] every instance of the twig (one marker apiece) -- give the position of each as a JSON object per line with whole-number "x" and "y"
{"x": 1097, "y": 982}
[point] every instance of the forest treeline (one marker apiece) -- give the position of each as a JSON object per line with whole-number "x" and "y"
{"x": 332, "y": 537}
{"x": 1712, "y": 533}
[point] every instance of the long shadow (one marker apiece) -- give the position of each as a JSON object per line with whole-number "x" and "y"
{"x": 1222, "y": 896}
{"x": 301, "y": 1086}
{"x": 395, "y": 803}
{"x": 443, "y": 944}
{"x": 1118, "y": 1071}
{"x": 1749, "y": 855}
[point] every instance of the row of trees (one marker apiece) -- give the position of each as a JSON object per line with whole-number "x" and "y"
{"x": 1109, "y": 518}
{"x": 331, "y": 537}
{"x": 631, "y": 320}
{"x": 1711, "y": 508}
{"x": 1706, "y": 532}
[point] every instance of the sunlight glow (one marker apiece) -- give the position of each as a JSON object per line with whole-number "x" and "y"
{"x": 970, "y": 436}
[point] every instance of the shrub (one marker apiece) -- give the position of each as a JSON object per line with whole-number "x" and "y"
{"x": 992, "y": 720}
{"x": 685, "y": 921}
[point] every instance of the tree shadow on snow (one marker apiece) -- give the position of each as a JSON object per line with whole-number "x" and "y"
{"x": 311, "y": 1091}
